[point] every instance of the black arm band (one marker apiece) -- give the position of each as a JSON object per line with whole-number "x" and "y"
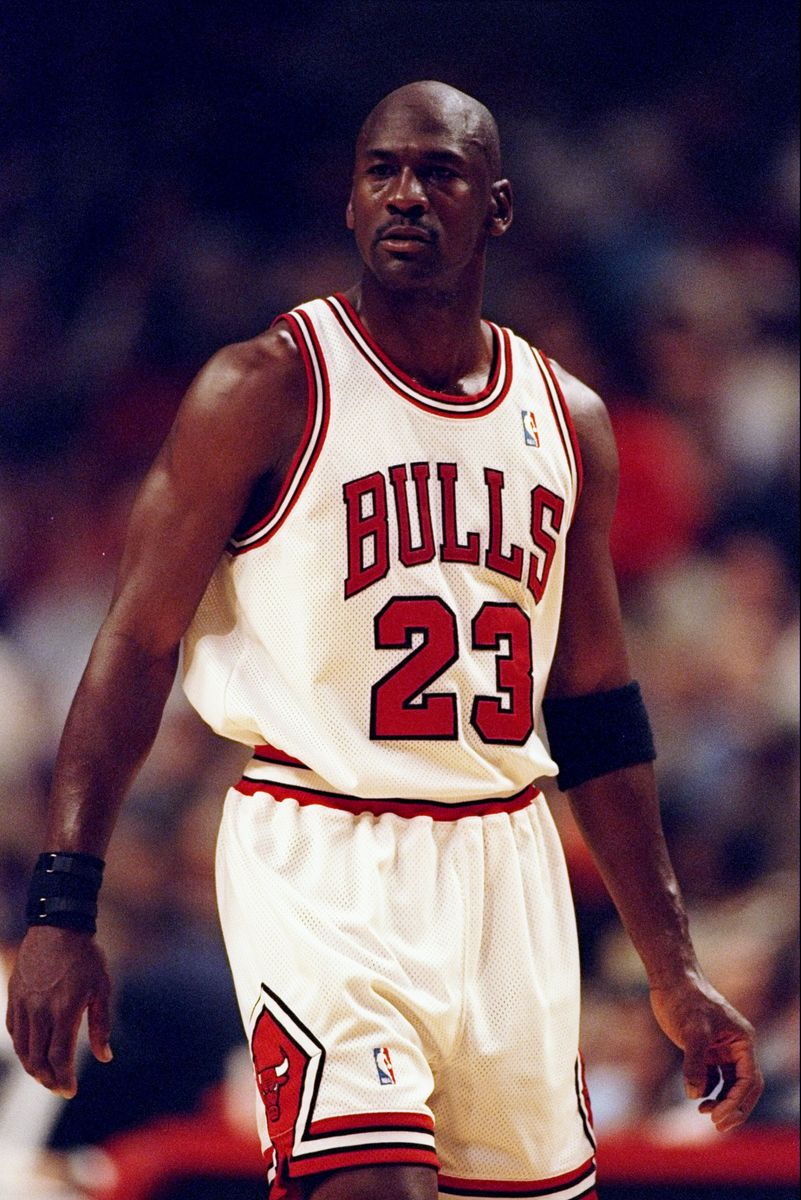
{"x": 64, "y": 890}
{"x": 594, "y": 734}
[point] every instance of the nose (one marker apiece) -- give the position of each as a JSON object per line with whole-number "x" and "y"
{"x": 408, "y": 197}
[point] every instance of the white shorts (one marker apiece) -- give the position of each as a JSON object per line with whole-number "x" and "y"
{"x": 410, "y": 989}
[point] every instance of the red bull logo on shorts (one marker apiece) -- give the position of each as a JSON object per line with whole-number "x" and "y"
{"x": 271, "y": 1080}
{"x": 281, "y": 1064}
{"x": 383, "y": 1062}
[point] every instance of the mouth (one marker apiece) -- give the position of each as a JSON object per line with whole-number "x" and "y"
{"x": 404, "y": 238}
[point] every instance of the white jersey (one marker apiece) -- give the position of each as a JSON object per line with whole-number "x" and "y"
{"x": 387, "y": 629}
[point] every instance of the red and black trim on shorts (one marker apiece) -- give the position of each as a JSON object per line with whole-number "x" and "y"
{"x": 438, "y": 810}
{"x": 442, "y": 403}
{"x": 311, "y": 443}
{"x": 578, "y": 1184}
{"x": 583, "y": 1100}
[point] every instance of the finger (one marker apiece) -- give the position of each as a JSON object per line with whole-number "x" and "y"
{"x": 729, "y": 1073}
{"x": 99, "y": 1017}
{"x": 736, "y": 1100}
{"x": 725, "y": 1122}
{"x": 739, "y": 1104}
{"x": 713, "y": 1087}
{"x": 720, "y": 1107}
{"x": 17, "y": 1025}
{"x": 61, "y": 1055}
{"x": 695, "y": 1071}
{"x": 37, "y": 1059}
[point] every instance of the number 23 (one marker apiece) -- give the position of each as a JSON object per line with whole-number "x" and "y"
{"x": 401, "y": 708}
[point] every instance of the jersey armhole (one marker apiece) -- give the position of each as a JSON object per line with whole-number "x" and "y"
{"x": 311, "y": 442}
{"x": 564, "y": 423}
{"x": 571, "y": 429}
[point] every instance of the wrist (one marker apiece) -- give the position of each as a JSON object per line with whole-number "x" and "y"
{"x": 675, "y": 977}
{"x": 63, "y": 891}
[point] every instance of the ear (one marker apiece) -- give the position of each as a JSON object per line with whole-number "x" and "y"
{"x": 500, "y": 214}
{"x": 349, "y": 219}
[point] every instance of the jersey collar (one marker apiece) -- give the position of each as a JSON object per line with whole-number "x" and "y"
{"x": 444, "y": 403}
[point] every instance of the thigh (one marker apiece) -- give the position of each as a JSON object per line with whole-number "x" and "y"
{"x": 377, "y": 1183}
{"x": 510, "y": 1103}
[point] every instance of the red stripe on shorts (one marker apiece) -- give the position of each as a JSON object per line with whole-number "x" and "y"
{"x": 361, "y": 1121}
{"x": 363, "y": 1156}
{"x": 437, "y": 810}
{"x": 532, "y": 1187}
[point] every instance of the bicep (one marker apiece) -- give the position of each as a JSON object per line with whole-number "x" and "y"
{"x": 230, "y": 429}
{"x": 591, "y": 653}
{"x": 176, "y": 534}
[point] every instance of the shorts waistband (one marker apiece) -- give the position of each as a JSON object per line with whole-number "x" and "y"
{"x": 438, "y": 810}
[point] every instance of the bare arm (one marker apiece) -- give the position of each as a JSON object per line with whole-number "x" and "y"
{"x": 240, "y": 420}
{"x": 618, "y": 813}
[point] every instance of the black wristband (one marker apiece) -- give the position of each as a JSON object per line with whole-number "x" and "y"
{"x": 597, "y": 733}
{"x": 63, "y": 891}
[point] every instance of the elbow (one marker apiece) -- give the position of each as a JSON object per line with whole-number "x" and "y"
{"x": 148, "y": 646}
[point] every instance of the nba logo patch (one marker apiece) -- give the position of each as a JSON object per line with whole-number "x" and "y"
{"x": 530, "y": 432}
{"x": 383, "y": 1063}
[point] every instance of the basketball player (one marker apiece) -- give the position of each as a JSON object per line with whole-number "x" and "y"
{"x": 381, "y": 529}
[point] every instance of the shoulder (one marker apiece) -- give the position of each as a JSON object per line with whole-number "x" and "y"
{"x": 268, "y": 366}
{"x": 598, "y": 451}
{"x": 593, "y": 427}
{"x": 245, "y": 409}
{"x": 587, "y": 410}
{"x": 249, "y": 388}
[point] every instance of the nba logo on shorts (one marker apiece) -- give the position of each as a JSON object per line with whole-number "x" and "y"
{"x": 530, "y": 431}
{"x": 383, "y": 1062}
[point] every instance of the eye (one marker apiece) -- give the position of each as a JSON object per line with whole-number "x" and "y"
{"x": 380, "y": 170}
{"x": 440, "y": 174}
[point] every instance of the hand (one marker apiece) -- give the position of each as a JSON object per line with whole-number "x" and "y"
{"x": 58, "y": 973}
{"x": 716, "y": 1040}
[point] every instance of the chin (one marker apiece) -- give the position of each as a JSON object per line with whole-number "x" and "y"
{"x": 404, "y": 276}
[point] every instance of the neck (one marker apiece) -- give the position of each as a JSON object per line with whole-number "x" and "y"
{"x": 436, "y": 337}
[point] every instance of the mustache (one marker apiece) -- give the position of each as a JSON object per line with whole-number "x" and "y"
{"x": 395, "y": 224}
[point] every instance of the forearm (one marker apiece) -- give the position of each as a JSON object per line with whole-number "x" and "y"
{"x": 618, "y": 815}
{"x": 110, "y": 729}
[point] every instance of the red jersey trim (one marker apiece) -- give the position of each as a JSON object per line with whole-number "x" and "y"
{"x": 546, "y": 379}
{"x": 305, "y": 1160}
{"x": 364, "y": 1156}
{"x": 436, "y": 809}
{"x": 442, "y": 403}
{"x": 307, "y": 453}
{"x": 410, "y": 383}
{"x": 360, "y": 1122}
{"x": 560, "y": 1187}
{"x": 561, "y": 421}
{"x": 503, "y": 1191}
{"x": 271, "y": 754}
{"x": 283, "y": 1167}
{"x": 583, "y": 1098}
{"x": 570, "y": 426}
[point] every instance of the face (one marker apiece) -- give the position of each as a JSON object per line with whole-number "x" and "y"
{"x": 423, "y": 201}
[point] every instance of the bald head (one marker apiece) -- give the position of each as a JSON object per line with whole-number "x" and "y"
{"x": 436, "y": 106}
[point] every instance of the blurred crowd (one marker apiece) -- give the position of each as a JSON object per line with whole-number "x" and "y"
{"x": 655, "y": 255}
